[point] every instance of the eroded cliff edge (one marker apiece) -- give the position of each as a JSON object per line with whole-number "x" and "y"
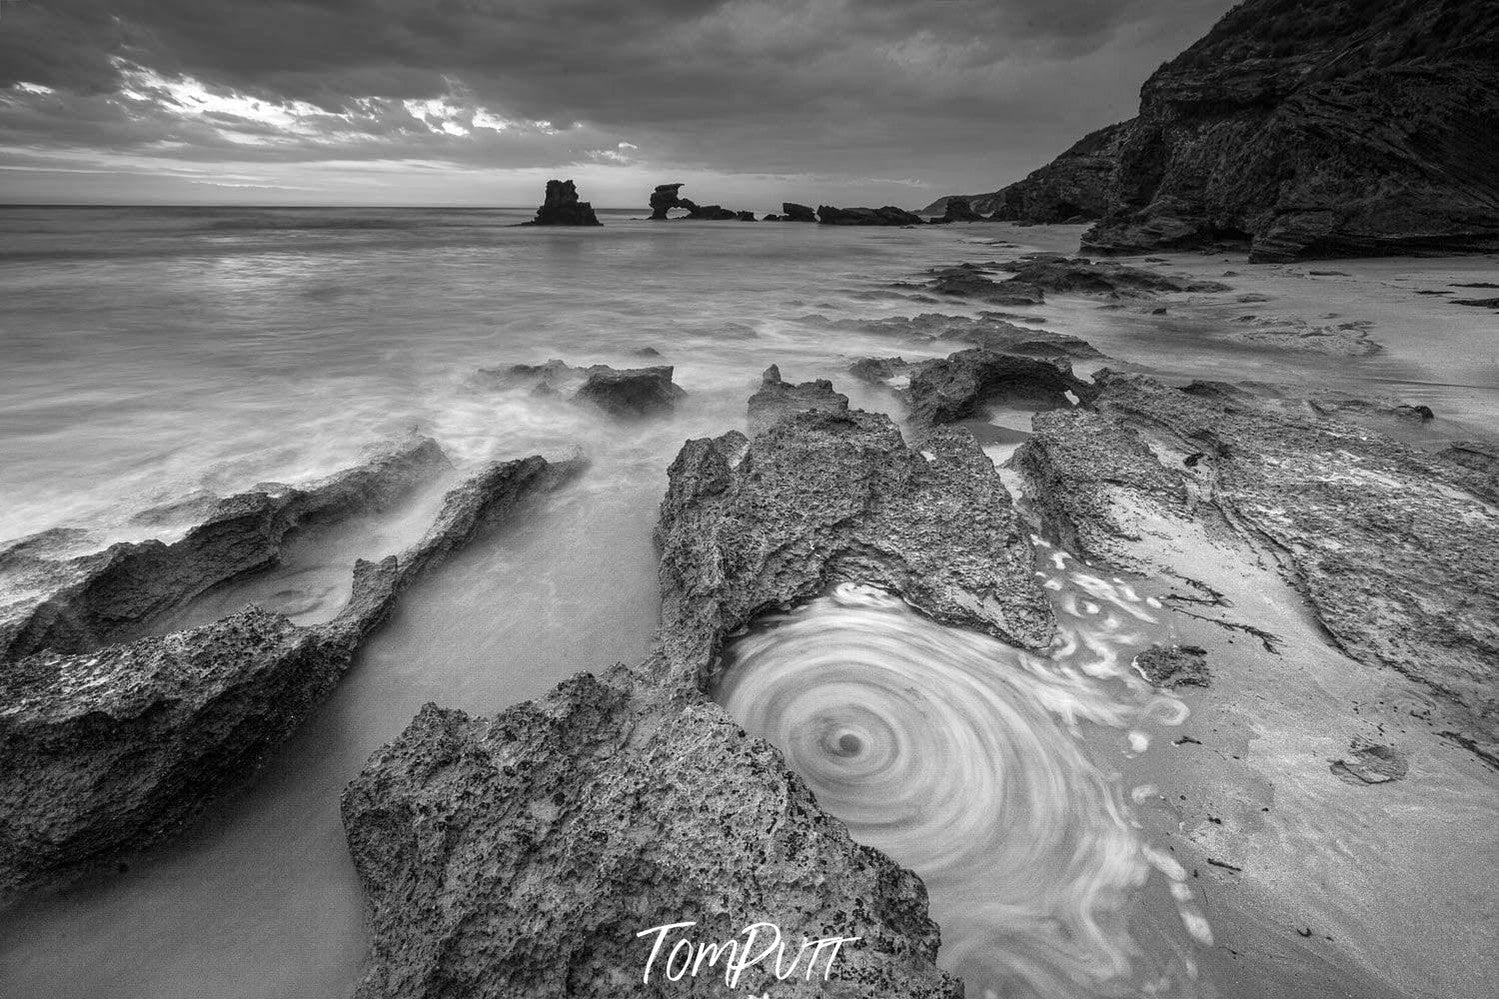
{"x": 1308, "y": 130}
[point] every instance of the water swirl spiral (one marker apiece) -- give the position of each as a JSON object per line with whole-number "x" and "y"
{"x": 960, "y": 757}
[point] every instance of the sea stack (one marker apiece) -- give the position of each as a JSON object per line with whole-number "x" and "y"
{"x": 562, "y": 207}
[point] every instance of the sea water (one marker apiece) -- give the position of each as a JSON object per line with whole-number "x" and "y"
{"x": 148, "y": 354}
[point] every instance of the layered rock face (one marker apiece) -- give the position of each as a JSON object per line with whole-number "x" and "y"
{"x": 1394, "y": 550}
{"x": 1071, "y": 188}
{"x": 1308, "y": 130}
{"x": 523, "y": 854}
{"x": 562, "y": 207}
{"x": 107, "y": 749}
{"x": 78, "y": 604}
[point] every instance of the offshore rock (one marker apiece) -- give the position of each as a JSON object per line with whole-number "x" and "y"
{"x": 1395, "y": 551}
{"x": 776, "y": 399}
{"x": 521, "y": 854}
{"x": 956, "y": 387}
{"x": 631, "y": 392}
{"x": 889, "y": 215}
{"x": 792, "y": 212}
{"x": 78, "y": 604}
{"x": 562, "y": 207}
{"x": 663, "y": 199}
{"x": 112, "y": 749}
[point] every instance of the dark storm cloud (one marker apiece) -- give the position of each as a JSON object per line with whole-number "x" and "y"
{"x": 773, "y": 85}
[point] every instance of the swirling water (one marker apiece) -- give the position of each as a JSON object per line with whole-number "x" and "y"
{"x": 984, "y": 768}
{"x": 149, "y": 354}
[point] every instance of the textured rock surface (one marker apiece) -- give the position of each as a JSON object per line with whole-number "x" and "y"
{"x": 520, "y": 855}
{"x": 988, "y": 330}
{"x": 75, "y": 604}
{"x": 958, "y": 386}
{"x": 1071, "y": 188}
{"x": 624, "y": 393}
{"x": 109, "y": 750}
{"x": 1309, "y": 129}
{"x": 631, "y": 392}
{"x": 562, "y": 207}
{"x": 776, "y": 398}
{"x": 1394, "y": 550}
{"x": 888, "y": 215}
{"x": 1081, "y": 276}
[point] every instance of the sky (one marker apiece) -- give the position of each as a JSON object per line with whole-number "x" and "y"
{"x": 479, "y": 102}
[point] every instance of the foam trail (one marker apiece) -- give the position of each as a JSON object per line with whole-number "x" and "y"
{"x": 959, "y": 756}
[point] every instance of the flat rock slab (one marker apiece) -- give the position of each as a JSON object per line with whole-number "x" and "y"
{"x": 1395, "y": 551}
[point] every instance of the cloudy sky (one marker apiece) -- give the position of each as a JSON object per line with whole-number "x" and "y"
{"x": 480, "y": 101}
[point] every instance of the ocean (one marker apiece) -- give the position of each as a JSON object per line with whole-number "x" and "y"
{"x": 151, "y": 354}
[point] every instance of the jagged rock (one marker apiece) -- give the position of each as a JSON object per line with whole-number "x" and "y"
{"x": 792, "y": 212}
{"x": 78, "y": 604}
{"x": 1306, "y": 129}
{"x": 889, "y": 215}
{"x": 879, "y": 370}
{"x": 1079, "y": 275}
{"x": 562, "y": 207}
{"x": 1073, "y": 187}
{"x": 631, "y": 392}
{"x": 1317, "y": 131}
{"x": 956, "y": 387}
{"x": 1177, "y": 666}
{"x": 776, "y": 398}
{"x": 114, "y": 748}
{"x": 521, "y": 855}
{"x": 663, "y": 199}
{"x": 956, "y": 208}
{"x": 1394, "y": 550}
{"x": 620, "y": 392}
{"x": 970, "y": 282}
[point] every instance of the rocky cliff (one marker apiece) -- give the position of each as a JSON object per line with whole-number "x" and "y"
{"x": 1307, "y": 130}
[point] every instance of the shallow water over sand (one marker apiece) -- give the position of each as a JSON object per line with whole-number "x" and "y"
{"x": 151, "y": 353}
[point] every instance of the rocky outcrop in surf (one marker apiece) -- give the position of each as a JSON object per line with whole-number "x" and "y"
{"x": 792, "y": 212}
{"x": 777, "y": 398}
{"x": 888, "y": 215}
{"x": 990, "y": 330}
{"x": 562, "y": 207}
{"x": 1394, "y": 550}
{"x": 623, "y": 393}
{"x": 632, "y": 392}
{"x": 957, "y": 208}
{"x": 77, "y": 604}
{"x": 522, "y": 854}
{"x": 1307, "y": 130}
{"x": 110, "y": 747}
{"x": 665, "y": 197}
{"x": 958, "y": 386}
